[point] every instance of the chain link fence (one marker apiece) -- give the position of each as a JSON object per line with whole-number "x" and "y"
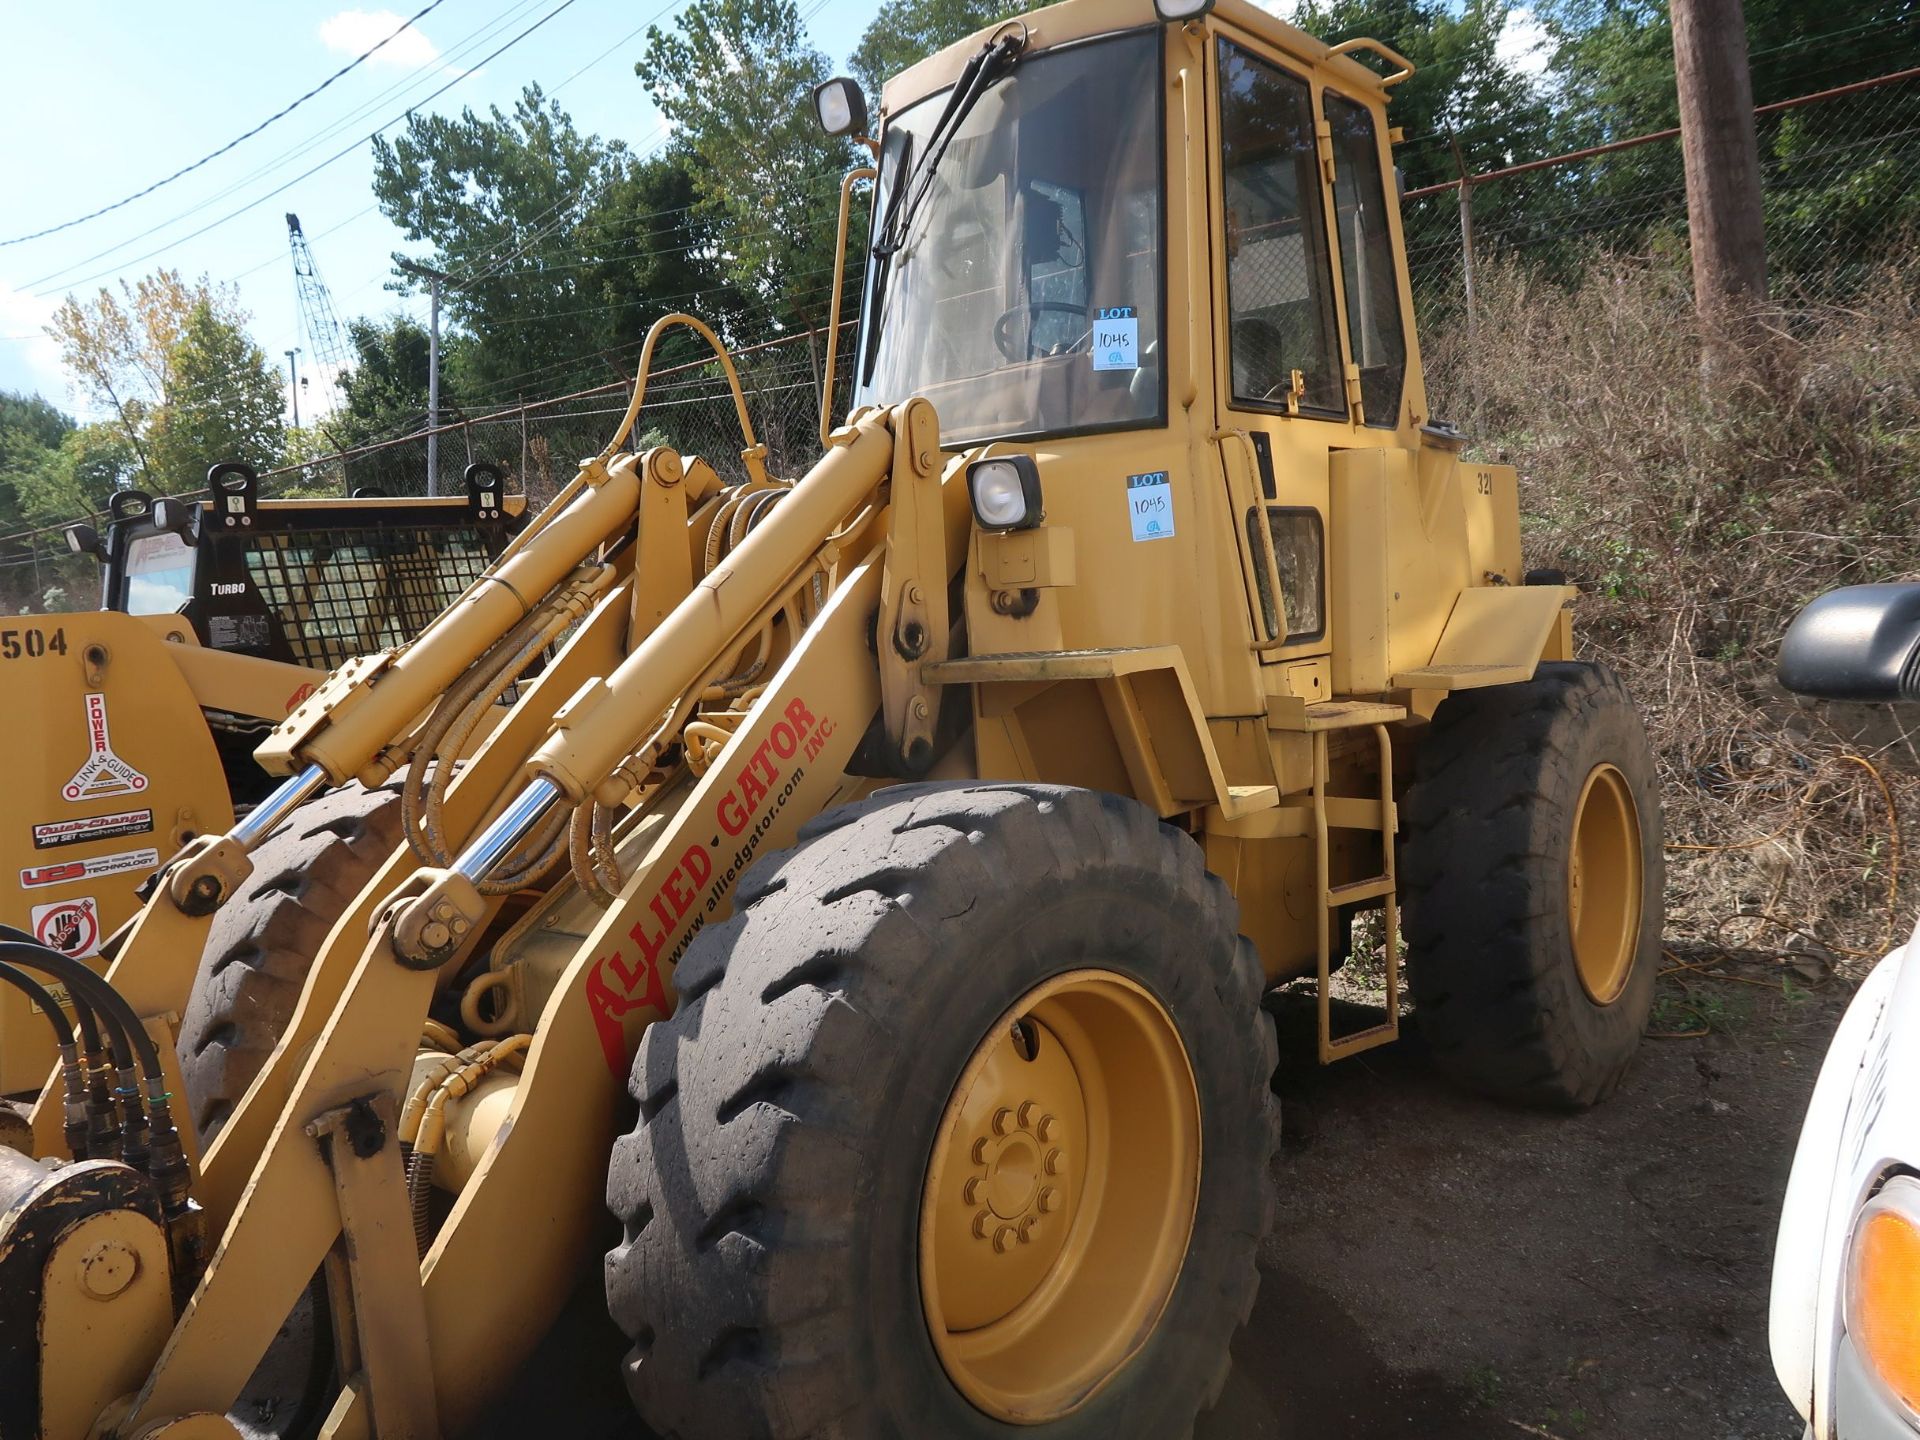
{"x": 538, "y": 445}
{"x": 1840, "y": 170}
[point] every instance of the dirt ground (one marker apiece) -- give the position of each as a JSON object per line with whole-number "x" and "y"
{"x": 1446, "y": 1268}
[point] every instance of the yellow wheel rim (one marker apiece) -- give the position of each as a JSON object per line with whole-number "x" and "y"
{"x": 1060, "y": 1196}
{"x": 1604, "y": 884}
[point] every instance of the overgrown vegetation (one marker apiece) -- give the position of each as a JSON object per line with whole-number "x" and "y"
{"x": 1697, "y": 521}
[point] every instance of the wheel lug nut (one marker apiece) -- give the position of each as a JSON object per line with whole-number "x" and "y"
{"x": 980, "y": 1151}
{"x": 1002, "y": 1120}
{"x": 1054, "y": 1161}
{"x": 972, "y": 1191}
{"x": 1025, "y": 1232}
{"x": 980, "y": 1226}
{"x": 1003, "y": 1238}
{"x": 1049, "y": 1199}
{"x": 1047, "y": 1126}
{"x": 1026, "y": 1113}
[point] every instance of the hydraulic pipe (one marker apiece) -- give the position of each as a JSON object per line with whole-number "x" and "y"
{"x": 425, "y": 669}
{"x": 597, "y": 729}
{"x": 288, "y": 797}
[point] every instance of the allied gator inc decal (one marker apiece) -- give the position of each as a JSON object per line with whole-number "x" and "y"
{"x": 61, "y": 872}
{"x": 55, "y": 833}
{"x": 631, "y": 977}
{"x": 104, "y": 772}
{"x": 70, "y": 926}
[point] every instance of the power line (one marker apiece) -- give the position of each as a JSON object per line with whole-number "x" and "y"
{"x": 420, "y": 74}
{"x": 352, "y": 64}
{"x": 314, "y": 170}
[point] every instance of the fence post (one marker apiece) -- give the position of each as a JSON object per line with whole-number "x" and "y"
{"x": 523, "y": 444}
{"x": 813, "y": 354}
{"x": 1468, "y": 282}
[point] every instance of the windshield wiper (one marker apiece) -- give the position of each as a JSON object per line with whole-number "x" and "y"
{"x": 992, "y": 63}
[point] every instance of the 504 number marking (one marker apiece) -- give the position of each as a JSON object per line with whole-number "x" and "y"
{"x": 31, "y": 644}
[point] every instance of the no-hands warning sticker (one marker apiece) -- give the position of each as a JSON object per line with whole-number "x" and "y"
{"x": 93, "y": 827}
{"x": 105, "y": 773}
{"x": 69, "y": 926}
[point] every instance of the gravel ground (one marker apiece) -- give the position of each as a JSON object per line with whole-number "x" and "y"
{"x": 1446, "y": 1268}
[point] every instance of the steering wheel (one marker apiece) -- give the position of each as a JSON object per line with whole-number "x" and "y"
{"x": 1002, "y": 334}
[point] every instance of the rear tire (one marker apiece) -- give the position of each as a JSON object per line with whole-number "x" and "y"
{"x": 265, "y": 938}
{"x": 778, "y": 1207}
{"x": 1533, "y": 882}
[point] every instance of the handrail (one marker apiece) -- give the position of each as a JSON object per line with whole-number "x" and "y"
{"x": 865, "y": 172}
{"x": 1385, "y": 52}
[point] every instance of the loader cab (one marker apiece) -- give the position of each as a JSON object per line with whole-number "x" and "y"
{"x": 309, "y": 582}
{"x": 1161, "y": 258}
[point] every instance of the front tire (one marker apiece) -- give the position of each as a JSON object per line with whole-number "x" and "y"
{"x": 839, "y": 1216}
{"x": 1533, "y": 879}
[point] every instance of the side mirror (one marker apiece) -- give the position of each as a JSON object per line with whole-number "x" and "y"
{"x": 840, "y": 107}
{"x": 1861, "y": 642}
{"x": 85, "y": 540}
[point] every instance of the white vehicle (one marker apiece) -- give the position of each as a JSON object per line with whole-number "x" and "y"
{"x": 1845, "y": 1319}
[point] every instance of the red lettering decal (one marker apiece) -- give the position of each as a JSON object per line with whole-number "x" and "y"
{"x": 649, "y": 944}
{"x": 731, "y": 814}
{"x": 752, "y": 792}
{"x": 766, "y": 766}
{"x": 785, "y": 742}
{"x": 676, "y": 891}
{"x": 698, "y": 864}
{"x": 640, "y": 989}
{"x": 801, "y": 717}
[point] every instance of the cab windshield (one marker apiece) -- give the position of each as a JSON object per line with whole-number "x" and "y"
{"x": 1025, "y": 296}
{"x": 159, "y": 574}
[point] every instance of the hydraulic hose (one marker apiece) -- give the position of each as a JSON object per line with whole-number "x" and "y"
{"x": 151, "y": 1142}
{"x": 72, "y": 1080}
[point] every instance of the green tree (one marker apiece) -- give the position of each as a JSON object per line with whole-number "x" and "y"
{"x": 562, "y": 247}
{"x": 223, "y": 402}
{"x": 905, "y": 32}
{"x": 171, "y": 361}
{"x": 385, "y": 393}
{"x": 735, "y": 77}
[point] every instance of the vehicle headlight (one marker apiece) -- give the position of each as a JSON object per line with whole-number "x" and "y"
{"x": 1883, "y": 1289}
{"x": 1005, "y": 492}
{"x": 1181, "y": 9}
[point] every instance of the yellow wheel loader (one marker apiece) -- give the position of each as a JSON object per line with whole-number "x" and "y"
{"x": 871, "y": 900}
{"x": 130, "y": 729}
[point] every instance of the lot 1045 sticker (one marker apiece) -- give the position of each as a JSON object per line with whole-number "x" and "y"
{"x": 55, "y": 833}
{"x": 104, "y": 772}
{"x": 1116, "y": 339}
{"x": 1150, "y": 505}
{"x": 63, "y": 872}
{"x": 70, "y": 926}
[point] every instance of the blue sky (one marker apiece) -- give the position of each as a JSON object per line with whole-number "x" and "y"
{"x": 106, "y": 96}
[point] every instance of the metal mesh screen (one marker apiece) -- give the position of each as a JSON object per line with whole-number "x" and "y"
{"x": 341, "y": 593}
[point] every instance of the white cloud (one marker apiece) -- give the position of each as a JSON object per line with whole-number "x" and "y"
{"x": 352, "y": 32}
{"x": 1524, "y": 44}
{"x": 29, "y": 358}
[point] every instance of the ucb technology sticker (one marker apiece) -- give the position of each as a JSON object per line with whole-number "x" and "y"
{"x": 1116, "y": 339}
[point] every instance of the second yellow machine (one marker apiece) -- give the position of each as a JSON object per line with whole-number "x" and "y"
{"x": 872, "y": 899}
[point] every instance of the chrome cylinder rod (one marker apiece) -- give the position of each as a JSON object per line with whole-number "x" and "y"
{"x": 514, "y": 825}
{"x": 292, "y": 794}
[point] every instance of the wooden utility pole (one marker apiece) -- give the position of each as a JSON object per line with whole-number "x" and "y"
{"x": 1722, "y": 155}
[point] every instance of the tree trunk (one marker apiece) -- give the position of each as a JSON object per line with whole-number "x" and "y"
{"x": 1722, "y": 153}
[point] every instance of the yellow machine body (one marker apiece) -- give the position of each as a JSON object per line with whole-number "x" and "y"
{"x": 731, "y": 662}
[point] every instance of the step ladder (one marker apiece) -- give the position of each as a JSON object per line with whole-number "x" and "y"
{"x": 1351, "y": 812}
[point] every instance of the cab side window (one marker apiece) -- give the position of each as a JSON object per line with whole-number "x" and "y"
{"x": 1279, "y": 277}
{"x": 1366, "y": 260}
